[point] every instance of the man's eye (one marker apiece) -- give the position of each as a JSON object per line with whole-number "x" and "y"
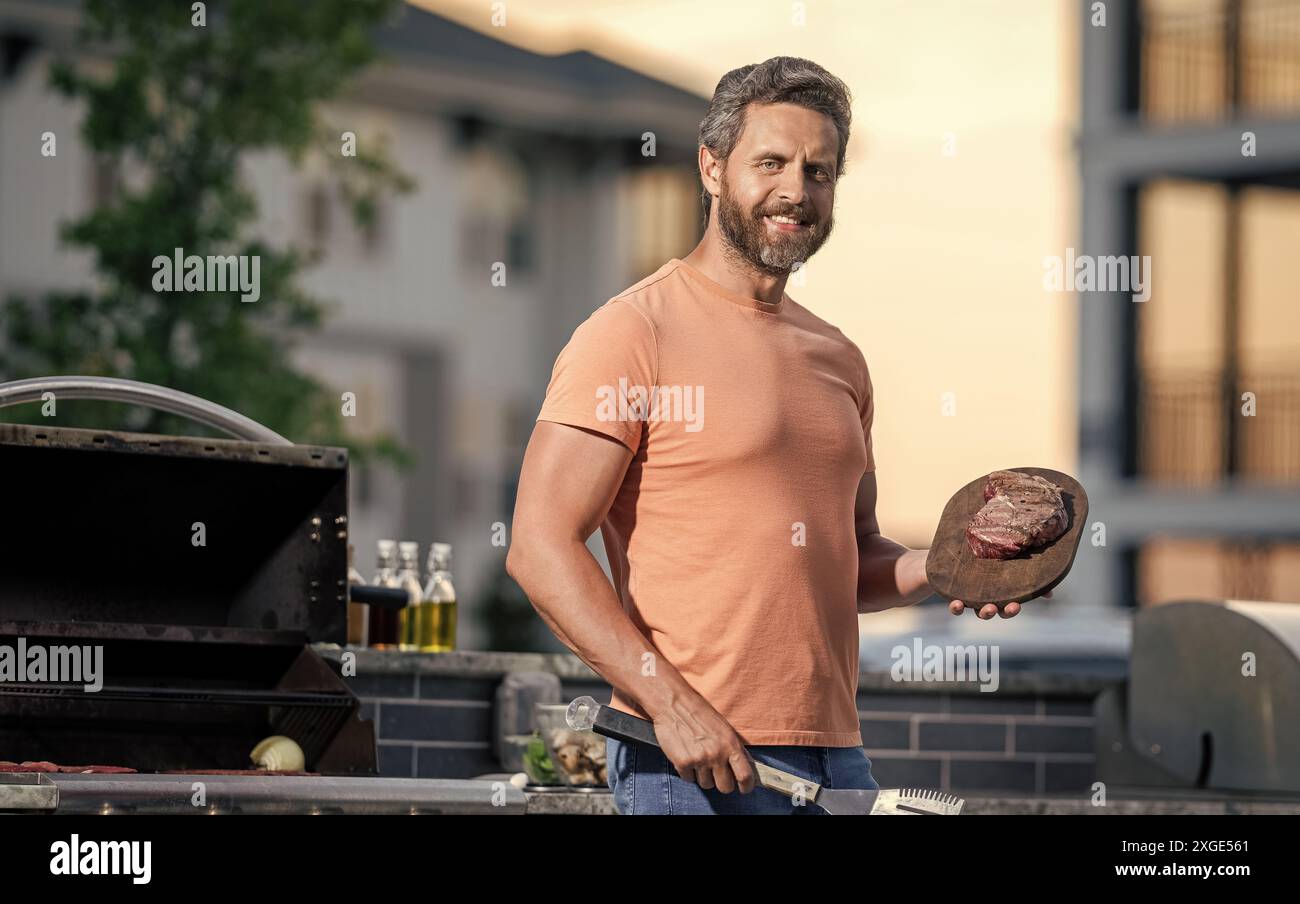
{"x": 773, "y": 162}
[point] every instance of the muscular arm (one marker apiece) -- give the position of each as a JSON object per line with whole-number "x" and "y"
{"x": 569, "y": 479}
{"x": 889, "y": 574}
{"x": 559, "y": 506}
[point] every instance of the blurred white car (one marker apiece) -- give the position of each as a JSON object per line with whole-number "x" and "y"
{"x": 1050, "y": 637}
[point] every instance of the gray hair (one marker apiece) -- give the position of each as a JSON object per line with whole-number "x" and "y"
{"x": 781, "y": 79}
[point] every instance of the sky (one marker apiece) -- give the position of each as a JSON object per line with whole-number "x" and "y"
{"x": 961, "y": 180}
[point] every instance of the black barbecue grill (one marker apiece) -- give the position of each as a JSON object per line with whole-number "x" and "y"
{"x": 1211, "y": 702}
{"x": 206, "y": 645}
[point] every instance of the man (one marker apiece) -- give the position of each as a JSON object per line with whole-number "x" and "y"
{"x": 741, "y": 534}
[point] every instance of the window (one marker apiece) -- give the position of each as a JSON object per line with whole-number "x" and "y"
{"x": 318, "y": 213}
{"x": 1203, "y": 60}
{"x": 661, "y": 209}
{"x": 105, "y": 180}
{"x": 374, "y": 231}
{"x": 1178, "y": 569}
{"x": 1218, "y": 354}
{"x": 496, "y": 211}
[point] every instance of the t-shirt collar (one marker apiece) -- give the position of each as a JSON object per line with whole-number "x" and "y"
{"x": 721, "y": 290}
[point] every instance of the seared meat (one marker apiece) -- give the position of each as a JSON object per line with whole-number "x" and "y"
{"x": 1022, "y": 511}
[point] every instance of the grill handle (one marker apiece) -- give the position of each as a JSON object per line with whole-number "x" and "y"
{"x": 383, "y": 597}
{"x": 149, "y": 395}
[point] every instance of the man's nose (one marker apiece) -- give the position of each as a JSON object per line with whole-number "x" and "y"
{"x": 791, "y": 188}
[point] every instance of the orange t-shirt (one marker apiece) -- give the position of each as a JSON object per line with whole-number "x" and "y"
{"x": 731, "y": 540}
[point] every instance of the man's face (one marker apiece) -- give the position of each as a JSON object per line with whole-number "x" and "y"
{"x": 782, "y": 166}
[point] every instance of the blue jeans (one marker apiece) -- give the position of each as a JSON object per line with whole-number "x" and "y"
{"x": 645, "y": 782}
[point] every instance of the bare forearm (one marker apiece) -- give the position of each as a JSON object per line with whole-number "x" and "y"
{"x": 889, "y": 574}
{"x": 573, "y": 596}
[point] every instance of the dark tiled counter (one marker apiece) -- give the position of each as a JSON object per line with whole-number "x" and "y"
{"x": 1034, "y": 736}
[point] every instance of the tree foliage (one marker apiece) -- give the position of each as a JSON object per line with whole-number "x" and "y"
{"x": 176, "y": 109}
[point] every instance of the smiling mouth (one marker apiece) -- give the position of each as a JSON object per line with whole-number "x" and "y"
{"x": 786, "y": 223}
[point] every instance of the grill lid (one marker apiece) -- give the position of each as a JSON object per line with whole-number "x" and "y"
{"x": 136, "y": 534}
{"x": 1211, "y": 700}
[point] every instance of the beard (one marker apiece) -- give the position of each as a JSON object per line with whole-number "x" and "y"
{"x": 747, "y": 236}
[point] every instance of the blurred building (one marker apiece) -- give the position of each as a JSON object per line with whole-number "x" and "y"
{"x": 1189, "y": 402}
{"x": 523, "y": 160}
{"x": 1190, "y": 497}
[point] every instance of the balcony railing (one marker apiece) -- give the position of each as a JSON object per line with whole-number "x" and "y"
{"x": 1245, "y": 568}
{"x": 1192, "y": 429}
{"x": 1216, "y": 59}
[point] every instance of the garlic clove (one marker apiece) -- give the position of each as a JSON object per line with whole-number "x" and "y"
{"x": 279, "y": 754}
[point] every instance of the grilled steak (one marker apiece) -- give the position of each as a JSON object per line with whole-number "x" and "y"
{"x": 1021, "y": 511}
{"x": 45, "y": 766}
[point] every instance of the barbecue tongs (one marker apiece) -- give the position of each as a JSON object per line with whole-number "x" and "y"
{"x": 585, "y": 713}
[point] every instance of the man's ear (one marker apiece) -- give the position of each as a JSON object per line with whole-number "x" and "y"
{"x": 711, "y": 169}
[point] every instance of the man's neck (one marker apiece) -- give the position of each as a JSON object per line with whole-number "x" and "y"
{"x": 731, "y": 271}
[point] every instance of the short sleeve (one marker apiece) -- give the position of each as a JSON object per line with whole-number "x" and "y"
{"x": 600, "y": 374}
{"x": 867, "y": 410}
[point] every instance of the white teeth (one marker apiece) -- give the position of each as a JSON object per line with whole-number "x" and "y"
{"x": 791, "y": 221}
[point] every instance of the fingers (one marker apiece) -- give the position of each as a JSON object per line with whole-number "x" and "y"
{"x": 723, "y": 780}
{"x": 736, "y": 772}
{"x": 743, "y": 768}
{"x": 988, "y": 610}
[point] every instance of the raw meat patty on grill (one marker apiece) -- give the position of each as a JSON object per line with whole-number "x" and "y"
{"x": 46, "y": 766}
{"x": 1021, "y": 511}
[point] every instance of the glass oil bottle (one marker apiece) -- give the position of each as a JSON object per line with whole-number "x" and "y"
{"x": 437, "y": 618}
{"x": 383, "y": 623}
{"x": 408, "y": 556}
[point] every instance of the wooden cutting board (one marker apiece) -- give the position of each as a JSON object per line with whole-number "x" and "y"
{"x": 956, "y": 574}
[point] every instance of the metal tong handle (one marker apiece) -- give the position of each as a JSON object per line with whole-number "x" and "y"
{"x": 585, "y": 713}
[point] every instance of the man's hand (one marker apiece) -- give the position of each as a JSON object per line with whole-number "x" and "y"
{"x": 703, "y": 747}
{"x": 988, "y": 610}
